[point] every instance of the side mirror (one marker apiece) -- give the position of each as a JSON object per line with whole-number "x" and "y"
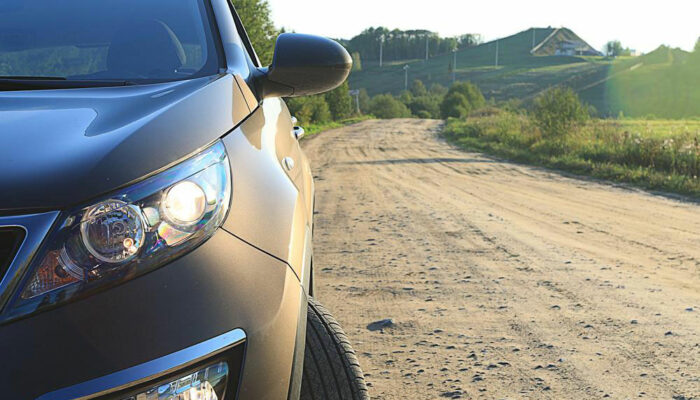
{"x": 304, "y": 65}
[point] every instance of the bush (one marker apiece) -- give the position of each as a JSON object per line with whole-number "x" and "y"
{"x": 365, "y": 102}
{"x": 425, "y": 107}
{"x": 418, "y": 88}
{"x": 455, "y": 105}
{"x": 461, "y": 99}
{"x": 438, "y": 90}
{"x": 385, "y": 106}
{"x": 558, "y": 111}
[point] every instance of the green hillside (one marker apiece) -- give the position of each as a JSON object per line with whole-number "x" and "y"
{"x": 664, "y": 83}
{"x": 518, "y": 73}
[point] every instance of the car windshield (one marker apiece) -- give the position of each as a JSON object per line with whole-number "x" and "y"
{"x": 86, "y": 40}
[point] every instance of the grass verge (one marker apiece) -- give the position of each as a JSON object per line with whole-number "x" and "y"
{"x": 313, "y": 129}
{"x": 655, "y": 155}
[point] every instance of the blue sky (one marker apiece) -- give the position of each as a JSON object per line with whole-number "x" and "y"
{"x": 642, "y": 25}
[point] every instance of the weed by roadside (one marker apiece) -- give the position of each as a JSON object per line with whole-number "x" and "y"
{"x": 659, "y": 155}
{"x": 312, "y": 129}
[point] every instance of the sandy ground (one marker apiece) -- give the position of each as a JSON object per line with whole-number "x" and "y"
{"x": 503, "y": 281}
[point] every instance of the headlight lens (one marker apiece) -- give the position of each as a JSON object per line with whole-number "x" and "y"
{"x": 130, "y": 232}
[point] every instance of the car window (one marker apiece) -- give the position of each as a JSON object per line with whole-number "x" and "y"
{"x": 109, "y": 39}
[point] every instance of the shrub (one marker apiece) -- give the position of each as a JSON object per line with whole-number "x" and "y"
{"x": 558, "y": 111}
{"x": 365, "y": 102}
{"x": 455, "y": 105}
{"x": 461, "y": 99}
{"x": 486, "y": 112}
{"x": 425, "y": 107}
{"x": 418, "y": 88}
{"x": 385, "y": 106}
{"x": 438, "y": 90}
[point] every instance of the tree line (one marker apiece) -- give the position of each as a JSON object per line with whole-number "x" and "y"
{"x": 405, "y": 45}
{"x": 397, "y": 44}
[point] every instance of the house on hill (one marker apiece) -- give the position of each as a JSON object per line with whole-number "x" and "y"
{"x": 572, "y": 48}
{"x": 564, "y": 42}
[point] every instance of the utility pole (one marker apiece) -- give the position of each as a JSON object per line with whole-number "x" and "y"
{"x": 427, "y": 47}
{"x": 497, "y": 52}
{"x": 381, "y": 51}
{"x": 454, "y": 65}
{"x": 405, "y": 84}
{"x": 533, "y": 37}
{"x": 356, "y": 94}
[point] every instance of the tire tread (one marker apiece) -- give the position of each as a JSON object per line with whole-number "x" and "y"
{"x": 331, "y": 368}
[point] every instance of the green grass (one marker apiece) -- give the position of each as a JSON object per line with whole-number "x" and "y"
{"x": 313, "y": 129}
{"x": 657, "y": 155}
{"x": 662, "y": 84}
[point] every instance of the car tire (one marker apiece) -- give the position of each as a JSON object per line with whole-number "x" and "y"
{"x": 331, "y": 369}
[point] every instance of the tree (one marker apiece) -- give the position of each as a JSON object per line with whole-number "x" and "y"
{"x": 356, "y": 62}
{"x": 309, "y": 110}
{"x": 615, "y": 49}
{"x": 255, "y": 15}
{"x": 386, "y": 106}
{"x": 558, "y": 111}
{"x": 339, "y": 102}
{"x": 405, "y": 45}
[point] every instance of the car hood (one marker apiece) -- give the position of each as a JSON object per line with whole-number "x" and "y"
{"x": 62, "y": 147}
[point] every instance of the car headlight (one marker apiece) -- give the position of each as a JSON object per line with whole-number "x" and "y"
{"x": 128, "y": 233}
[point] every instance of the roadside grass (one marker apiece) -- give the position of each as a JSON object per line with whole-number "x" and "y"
{"x": 313, "y": 129}
{"x": 658, "y": 154}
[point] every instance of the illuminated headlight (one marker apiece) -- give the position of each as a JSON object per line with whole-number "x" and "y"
{"x": 130, "y": 232}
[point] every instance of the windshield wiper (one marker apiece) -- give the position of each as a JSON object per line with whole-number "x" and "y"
{"x": 33, "y": 78}
{"x": 9, "y": 83}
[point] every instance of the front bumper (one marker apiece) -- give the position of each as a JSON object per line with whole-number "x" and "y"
{"x": 223, "y": 286}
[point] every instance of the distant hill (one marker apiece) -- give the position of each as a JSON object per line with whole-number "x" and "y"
{"x": 664, "y": 83}
{"x": 518, "y": 73}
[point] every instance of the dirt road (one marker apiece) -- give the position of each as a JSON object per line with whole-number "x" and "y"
{"x": 502, "y": 280}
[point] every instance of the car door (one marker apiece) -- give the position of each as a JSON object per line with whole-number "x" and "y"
{"x": 272, "y": 201}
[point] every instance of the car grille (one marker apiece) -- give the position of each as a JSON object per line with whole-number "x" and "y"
{"x": 10, "y": 240}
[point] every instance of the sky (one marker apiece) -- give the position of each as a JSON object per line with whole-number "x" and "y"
{"x": 642, "y": 25}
